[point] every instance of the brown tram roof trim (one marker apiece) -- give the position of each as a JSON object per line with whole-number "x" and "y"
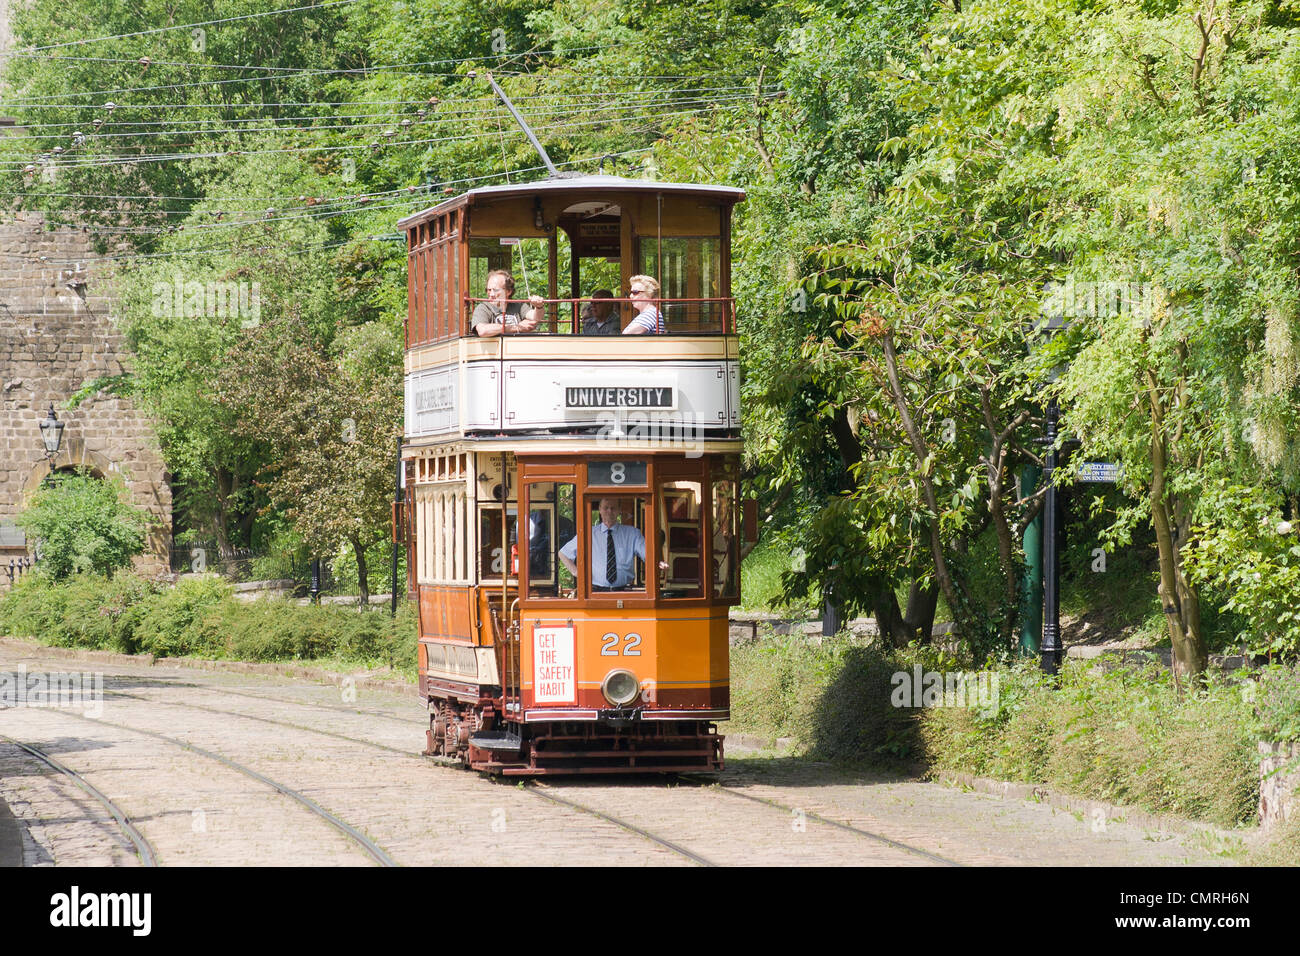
{"x": 576, "y": 184}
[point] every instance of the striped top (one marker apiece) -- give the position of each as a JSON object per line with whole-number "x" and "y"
{"x": 652, "y": 320}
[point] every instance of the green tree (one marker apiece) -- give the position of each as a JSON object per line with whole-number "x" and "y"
{"x": 331, "y": 417}
{"x": 83, "y": 524}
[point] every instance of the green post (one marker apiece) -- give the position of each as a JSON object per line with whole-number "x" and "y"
{"x": 1031, "y": 584}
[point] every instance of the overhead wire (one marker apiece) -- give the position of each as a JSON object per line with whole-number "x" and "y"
{"x": 301, "y": 70}
{"x": 137, "y": 159}
{"x": 440, "y": 115}
{"x": 49, "y": 260}
{"x": 190, "y": 26}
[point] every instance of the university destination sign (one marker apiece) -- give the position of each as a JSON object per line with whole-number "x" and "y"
{"x": 585, "y": 396}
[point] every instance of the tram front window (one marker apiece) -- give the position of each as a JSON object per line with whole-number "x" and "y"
{"x": 551, "y": 514}
{"x": 617, "y": 544}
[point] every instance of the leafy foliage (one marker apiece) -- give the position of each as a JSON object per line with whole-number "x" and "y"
{"x": 83, "y": 524}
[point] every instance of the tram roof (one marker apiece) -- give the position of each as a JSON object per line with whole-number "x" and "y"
{"x": 578, "y": 183}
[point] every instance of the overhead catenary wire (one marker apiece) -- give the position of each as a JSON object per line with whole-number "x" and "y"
{"x": 279, "y": 124}
{"x": 137, "y": 159}
{"x": 301, "y": 70}
{"x": 190, "y": 26}
{"x": 438, "y": 107}
{"x": 269, "y": 243}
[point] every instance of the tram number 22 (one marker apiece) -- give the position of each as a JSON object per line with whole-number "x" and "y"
{"x": 631, "y": 645}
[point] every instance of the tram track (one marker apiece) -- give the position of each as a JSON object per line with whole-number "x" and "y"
{"x": 372, "y": 849}
{"x": 143, "y": 848}
{"x": 534, "y": 789}
{"x": 713, "y": 785}
{"x": 546, "y": 791}
{"x": 716, "y": 787}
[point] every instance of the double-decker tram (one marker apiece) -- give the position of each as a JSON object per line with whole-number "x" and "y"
{"x": 571, "y": 489}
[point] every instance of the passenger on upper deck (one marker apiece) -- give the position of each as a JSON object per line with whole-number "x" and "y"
{"x": 600, "y": 318}
{"x": 643, "y": 291}
{"x": 495, "y": 317}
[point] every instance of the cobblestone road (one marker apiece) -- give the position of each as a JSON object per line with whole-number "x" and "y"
{"x": 357, "y": 757}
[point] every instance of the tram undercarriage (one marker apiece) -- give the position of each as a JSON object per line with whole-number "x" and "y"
{"x": 475, "y": 734}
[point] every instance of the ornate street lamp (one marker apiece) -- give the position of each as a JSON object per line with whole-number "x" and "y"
{"x": 52, "y": 434}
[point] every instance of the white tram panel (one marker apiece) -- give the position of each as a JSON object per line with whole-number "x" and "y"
{"x": 453, "y": 399}
{"x": 458, "y": 398}
{"x": 689, "y": 394}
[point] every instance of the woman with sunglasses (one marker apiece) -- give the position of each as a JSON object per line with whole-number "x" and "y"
{"x": 643, "y": 291}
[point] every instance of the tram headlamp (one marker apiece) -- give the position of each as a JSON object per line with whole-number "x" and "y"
{"x": 620, "y": 687}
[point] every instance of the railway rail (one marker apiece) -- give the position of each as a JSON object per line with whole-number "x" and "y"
{"x": 371, "y": 848}
{"x": 143, "y": 848}
{"x": 548, "y": 791}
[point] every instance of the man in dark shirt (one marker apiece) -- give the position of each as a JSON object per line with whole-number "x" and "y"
{"x": 600, "y": 315}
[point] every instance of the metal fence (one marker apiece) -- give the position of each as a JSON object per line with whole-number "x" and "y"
{"x": 17, "y": 567}
{"x": 238, "y": 564}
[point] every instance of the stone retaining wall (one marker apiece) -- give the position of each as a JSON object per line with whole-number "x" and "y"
{"x": 56, "y": 333}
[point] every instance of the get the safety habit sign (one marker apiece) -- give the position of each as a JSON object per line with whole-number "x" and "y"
{"x": 554, "y": 678}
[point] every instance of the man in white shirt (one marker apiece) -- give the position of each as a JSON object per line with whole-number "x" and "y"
{"x": 613, "y": 549}
{"x": 643, "y": 291}
{"x": 496, "y": 317}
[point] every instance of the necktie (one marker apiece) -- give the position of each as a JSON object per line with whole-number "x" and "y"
{"x": 611, "y": 563}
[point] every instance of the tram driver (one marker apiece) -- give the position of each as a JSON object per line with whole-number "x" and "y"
{"x": 613, "y": 549}
{"x": 496, "y": 317}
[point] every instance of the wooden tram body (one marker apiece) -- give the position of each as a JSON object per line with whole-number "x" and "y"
{"x": 511, "y": 443}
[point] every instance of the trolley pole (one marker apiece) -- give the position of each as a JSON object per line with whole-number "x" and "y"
{"x": 1051, "y": 658}
{"x": 532, "y": 137}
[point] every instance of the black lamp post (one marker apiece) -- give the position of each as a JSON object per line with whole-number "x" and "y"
{"x": 52, "y": 435}
{"x": 1051, "y": 648}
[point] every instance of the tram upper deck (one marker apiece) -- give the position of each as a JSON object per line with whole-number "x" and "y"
{"x": 575, "y": 243}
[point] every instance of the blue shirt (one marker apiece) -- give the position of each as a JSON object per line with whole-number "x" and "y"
{"x": 628, "y": 543}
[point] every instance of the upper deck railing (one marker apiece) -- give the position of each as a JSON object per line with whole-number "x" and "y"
{"x": 682, "y": 316}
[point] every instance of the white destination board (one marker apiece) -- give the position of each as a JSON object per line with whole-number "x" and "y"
{"x": 554, "y": 679}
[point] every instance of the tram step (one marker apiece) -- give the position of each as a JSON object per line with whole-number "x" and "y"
{"x": 496, "y": 740}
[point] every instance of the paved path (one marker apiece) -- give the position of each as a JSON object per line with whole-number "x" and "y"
{"x": 355, "y": 754}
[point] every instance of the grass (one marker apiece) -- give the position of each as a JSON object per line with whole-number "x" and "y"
{"x": 1122, "y": 736}
{"x": 200, "y": 618}
{"x": 760, "y": 580}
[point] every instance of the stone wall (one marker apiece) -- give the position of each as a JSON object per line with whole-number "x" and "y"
{"x": 56, "y": 333}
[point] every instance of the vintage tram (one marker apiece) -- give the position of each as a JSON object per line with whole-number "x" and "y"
{"x": 571, "y": 504}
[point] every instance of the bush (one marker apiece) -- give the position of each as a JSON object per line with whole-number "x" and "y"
{"x": 168, "y": 626}
{"x": 1277, "y": 704}
{"x": 1122, "y": 735}
{"x": 199, "y": 616}
{"x": 832, "y": 697}
{"x": 84, "y": 524}
{"x": 33, "y": 608}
